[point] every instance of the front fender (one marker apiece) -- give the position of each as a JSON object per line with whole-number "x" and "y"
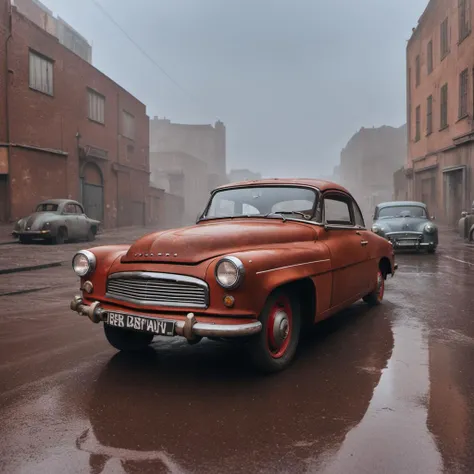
{"x": 268, "y": 269}
{"x": 105, "y": 256}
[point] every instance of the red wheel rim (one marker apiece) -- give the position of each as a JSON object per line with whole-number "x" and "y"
{"x": 380, "y": 286}
{"x": 280, "y": 327}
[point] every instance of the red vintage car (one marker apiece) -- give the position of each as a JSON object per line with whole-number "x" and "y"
{"x": 265, "y": 260}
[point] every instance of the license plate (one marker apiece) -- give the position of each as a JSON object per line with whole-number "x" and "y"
{"x": 160, "y": 327}
{"x": 407, "y": 243}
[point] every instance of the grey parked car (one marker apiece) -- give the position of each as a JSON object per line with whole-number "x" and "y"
{"x": 466, "y": 224}
{"x": 406, "y": 224}
{"x": 56, "y": 220}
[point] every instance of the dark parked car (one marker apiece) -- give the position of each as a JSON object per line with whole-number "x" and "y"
{"x": 56, "y": 220}
{"x": 466, "y": 224}
{"x": 406, "y": 224}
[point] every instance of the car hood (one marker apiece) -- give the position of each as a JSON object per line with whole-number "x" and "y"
{"x": 402, "y": 224}
{"x": 36, "y": 220}
{"x": 210, "y": 239}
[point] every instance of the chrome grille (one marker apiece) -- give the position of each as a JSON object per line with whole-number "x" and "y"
{"x": 158, "y": 289}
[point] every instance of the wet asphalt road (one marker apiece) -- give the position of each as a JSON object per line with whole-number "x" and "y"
{"x": 373, "y": 390}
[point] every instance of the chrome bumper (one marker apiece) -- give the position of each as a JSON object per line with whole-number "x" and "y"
{"x": 189, "y": 328}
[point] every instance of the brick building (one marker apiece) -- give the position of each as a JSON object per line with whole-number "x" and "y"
{"x": 368, "y": 162}
{"x": 188, "y": 161}
{"x": 440, "y": 104}
{"x": 66, "y": 129}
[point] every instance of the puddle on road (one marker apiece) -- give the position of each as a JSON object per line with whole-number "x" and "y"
{"x": 393, "y": 435}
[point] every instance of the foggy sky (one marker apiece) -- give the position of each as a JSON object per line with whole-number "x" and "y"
{"x": 292, "y": 80}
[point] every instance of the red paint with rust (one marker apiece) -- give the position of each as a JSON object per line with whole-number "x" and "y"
{"x": 334, "y": 264}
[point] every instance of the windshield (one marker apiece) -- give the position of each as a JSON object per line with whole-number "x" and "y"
{"x": 262, "y": 201}
{"x": 402, "y": 211}
{"x": 47, "y": 208}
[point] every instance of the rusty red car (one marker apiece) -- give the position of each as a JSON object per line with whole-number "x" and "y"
{"x": 266, "y": 260}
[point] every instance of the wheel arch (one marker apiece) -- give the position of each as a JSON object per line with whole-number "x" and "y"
{"x": 385, "y": 266}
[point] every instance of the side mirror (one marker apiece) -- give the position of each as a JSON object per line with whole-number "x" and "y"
{"x": 463, "y": 214}
{"x": 433, "y": 218}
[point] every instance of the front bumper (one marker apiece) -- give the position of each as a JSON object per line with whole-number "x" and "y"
{"x": 410, "y": 241}
{"x": 31, "y": 233}
{"x": 190, "y": 328}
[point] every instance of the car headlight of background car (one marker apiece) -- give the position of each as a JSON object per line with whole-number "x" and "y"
{"x": 229, "y": 272}
{"x": 83, "y": 263}
{"x": 377, "y": 230}
{"x": 429, "y": 228}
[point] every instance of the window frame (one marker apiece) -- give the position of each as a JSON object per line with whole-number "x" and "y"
{"x": 443, "y": 119}
{"x": 93, "y": 92}
{"x": 429, "y": 115}
{"x": 340, "y": 196}
{"x": 429, "y": 57}
{"x": 417, "y": 123}
{"x": 126, "y": 113}
{"x": 464, "y": 23}
{"x": 444, "y": 38}
{"x": 417, "y": 70}
{"x": 48, "y": 60}
{"x": 463, "y": 108}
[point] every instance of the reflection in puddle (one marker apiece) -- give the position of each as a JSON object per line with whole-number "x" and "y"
{"x": 393, "y": 435}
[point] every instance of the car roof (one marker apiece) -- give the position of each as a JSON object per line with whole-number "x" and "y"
{"x": 400, "y": 203}
{"x": 59, "y": 202}
{"x": 320, "y": 184}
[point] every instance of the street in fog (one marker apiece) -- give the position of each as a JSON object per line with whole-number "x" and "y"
{"x": 384, "y": 389}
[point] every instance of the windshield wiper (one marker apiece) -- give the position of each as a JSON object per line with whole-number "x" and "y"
{"x": 283, "y": 213}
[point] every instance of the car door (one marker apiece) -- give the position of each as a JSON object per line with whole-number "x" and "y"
{"x": 82, "y": 222}
{"x": 347, "y": 247}
{"x": 71, "y": 220}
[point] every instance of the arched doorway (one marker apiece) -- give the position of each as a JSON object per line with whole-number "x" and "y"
{"x": 92, "y": 191}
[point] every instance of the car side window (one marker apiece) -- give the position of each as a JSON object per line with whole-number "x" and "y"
{"x": 69, "y": 209}
{"x": 78, "y": 209}
{"x": 358, "y": 218}
{"x": 337, "y": 210}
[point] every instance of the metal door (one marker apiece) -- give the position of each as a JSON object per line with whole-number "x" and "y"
{"x": 138, "y": 213}
{"x": 93, "y": 201}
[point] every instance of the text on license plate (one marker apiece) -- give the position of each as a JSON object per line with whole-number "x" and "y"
{"x": 407, "y": 242}
{"x": 139, "y": 323}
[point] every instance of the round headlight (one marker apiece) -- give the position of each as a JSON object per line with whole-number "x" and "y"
{"x": 83, "y": 263}
{"x": 229, "y": 272}
{"x": 375, "y": 229}
{"x": 429, "y": 228}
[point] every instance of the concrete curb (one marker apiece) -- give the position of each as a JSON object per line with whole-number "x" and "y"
{"x": 30, "y": 268}
{"x": 9, "y": 243}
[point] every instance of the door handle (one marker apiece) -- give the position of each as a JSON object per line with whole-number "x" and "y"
{"x": 364, "y": 242}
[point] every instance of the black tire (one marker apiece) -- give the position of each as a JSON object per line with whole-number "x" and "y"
{"x": 61, "y": 236}
{"x": 432, "y": 250}
{"x": 263, "y": 357}
{"x": 127, "y": 340}
{"x": 375, "y": 297}
{"x": 91, "y": 234}
{"x": 24, "y": 240}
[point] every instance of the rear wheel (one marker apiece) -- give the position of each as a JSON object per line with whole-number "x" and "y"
{"x": 274, "y": 347}
{"x": 127, "y": 340}
{"x": 375, "y": 297}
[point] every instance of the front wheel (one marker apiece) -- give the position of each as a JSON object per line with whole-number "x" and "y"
{"x": 432, "y": 250}
{"x": 273, "y": 349}
{"x": 127, "y": 340}
{"x": 61, "y": 236}
{"x": 375, "y": 297}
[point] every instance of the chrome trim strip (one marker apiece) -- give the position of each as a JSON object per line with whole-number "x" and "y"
{"x": 221, "y": 330}
{"x": 290, "y": 266}
{"x": 160, "y": 276}
{"x": 412, "y": 232}
{"x": 168, "y": 304}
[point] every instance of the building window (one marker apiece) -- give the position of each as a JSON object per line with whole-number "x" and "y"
{"x": 128, "y": 125}
{"x": 417, "y": 123}
{"x": 417, "y": 70}
{"x": 463, "y": 82}
{"x": 429, "y": 57}
{"x": 41, "y": 73}
{"x": 444, "y": 107}
{"x": 444, "y": 38}
{"x": 96, "y": 106}
{"x": 464, "y": 19}
{"x": 429, "y": 115}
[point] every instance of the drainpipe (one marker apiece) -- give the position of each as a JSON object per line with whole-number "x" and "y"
{"x": 118, "y": 156}
{"x": 7, "y": 110}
